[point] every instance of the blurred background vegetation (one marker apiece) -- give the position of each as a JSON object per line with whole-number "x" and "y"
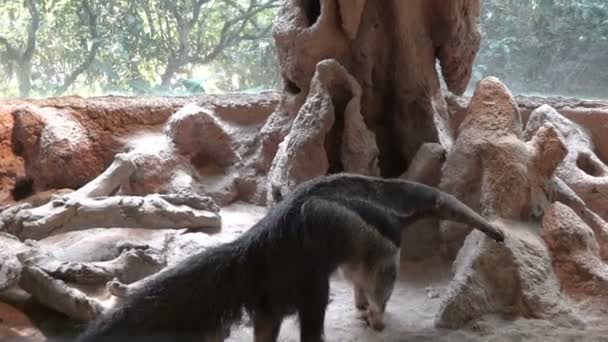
{"x": 546, "y": 47}
{"x": 177, "y": 47}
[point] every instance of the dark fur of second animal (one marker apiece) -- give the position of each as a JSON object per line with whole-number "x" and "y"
{"x": 280, "y": 266}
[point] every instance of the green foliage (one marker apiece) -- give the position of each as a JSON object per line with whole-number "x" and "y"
{"x": 556, "y": 47}
{"x": 91, "y": 47}
{"x": 135, "y": 46}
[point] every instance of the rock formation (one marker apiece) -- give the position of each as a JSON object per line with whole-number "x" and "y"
{"x": 90, "y": 207}
{"x": 514, "y": 280}
{"x": 10, "y": 268}
{"x": 492, "y": 169}
{"x": 66, "y": 142}
{"x": 307, "y": 151}
{"x": 392, "y": 76}
{"x": 422, "y": 239}
{"x": 575, "y": 253}
{"x": 582, "y": 170}
{"x": 11, "y": 166}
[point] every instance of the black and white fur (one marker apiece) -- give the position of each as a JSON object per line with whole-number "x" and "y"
{"x": 282, "y": 265}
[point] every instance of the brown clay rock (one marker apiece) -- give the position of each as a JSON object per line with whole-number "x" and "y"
{"x": 359, "y": 152}
{"x": 196, "y": 131}
{"x": 15, "y": 325}
{"x": 575, "y": 254}
{"x": 595, "y": 121}
{"x": 421, "y": 239}
{"x": 456, "y": 31}
{"x": 350, "y": 13}
{"x": 196, "y": 153}
{"x": 492, "y": 114}
{"x": 391, "y": 55}
{"x": 61, "y": 151}
{"x": 302, "y": 154}
{"x": 10, "y": 266}
{"x": 457, "y": 108}
{"x": 156, "y": 160}
{"x": 562, "y": 193}
{"x": 57, "y": 150}
{"x": 590, "y": 114}
{"x": 491, "y": 169}
{"x": 110, "y": 124}
{"x": 307, "y": 151}
{"x": 514, "y": 279}
{"x": 517, "y": 177}
{"x": 582, "y": 170}
{"x": 305, "y": 33}
{"x": 11, "y": 166}
{"x": 43, "y": 197}
{"x": 214, "y": 148}
{"x": 426, "y": 165}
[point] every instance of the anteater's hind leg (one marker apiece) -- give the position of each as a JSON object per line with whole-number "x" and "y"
{"x": 266, "y": 327}
{"x": 361, "y": 301}
{"x": 351, "y": 273}
{"x": 214, "y": 337}
{"x": 311, "y": 310}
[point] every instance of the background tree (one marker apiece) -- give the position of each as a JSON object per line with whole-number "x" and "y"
{"x": 54, "y": 47}
{"x": 138, "y": 46}
{"x": 546, "y": 46}
{"x": 19, "y": 50}
{"x": 69, "y": 43}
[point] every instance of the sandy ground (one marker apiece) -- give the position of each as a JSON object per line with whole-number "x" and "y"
{"x": 409, "y": 317}
{"x": 411, "y": 310}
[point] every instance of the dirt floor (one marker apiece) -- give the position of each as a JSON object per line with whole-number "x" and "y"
{"x": 409, "y": 317}
{"x": 411, "y": 312}
{"x": 412, "y": 308}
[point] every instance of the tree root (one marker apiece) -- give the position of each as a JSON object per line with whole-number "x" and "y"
{"x": 89, "y": 207}
{"x": 130, "y": 266}
{"x": 55, "y": 294}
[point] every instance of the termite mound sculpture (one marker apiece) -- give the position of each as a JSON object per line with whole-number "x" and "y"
{"x": 373, "y": 87}
{"x": 364, "y": 86}
{"x": 361, "y": 89}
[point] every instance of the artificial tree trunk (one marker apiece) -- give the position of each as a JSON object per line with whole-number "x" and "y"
{"x": 390, "y": 49}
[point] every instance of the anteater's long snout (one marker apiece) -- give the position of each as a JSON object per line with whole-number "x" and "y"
{"x": 450, "y": 208}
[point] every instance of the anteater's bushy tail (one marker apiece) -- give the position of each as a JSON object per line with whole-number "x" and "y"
{"x": 449, "y": 207}
{"x": 199, "y": 297}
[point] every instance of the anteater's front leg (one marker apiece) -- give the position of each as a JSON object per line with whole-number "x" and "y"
{"x": 311, "y": 310}
{"x": 360, "y": 298}
{"x": 266, "y": 327}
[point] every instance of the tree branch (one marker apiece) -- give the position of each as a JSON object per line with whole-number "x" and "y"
{"x": 92, "y": 53}
{"x": 31, "y": 31}
{"x": 151, "y": 23}
{"x": 243, "y": 11}
{"x": 196, "y": 12}
{"x": 168, "y": 37}
{"x": 227, "y": 38}
{"x": 12, "y": 52}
